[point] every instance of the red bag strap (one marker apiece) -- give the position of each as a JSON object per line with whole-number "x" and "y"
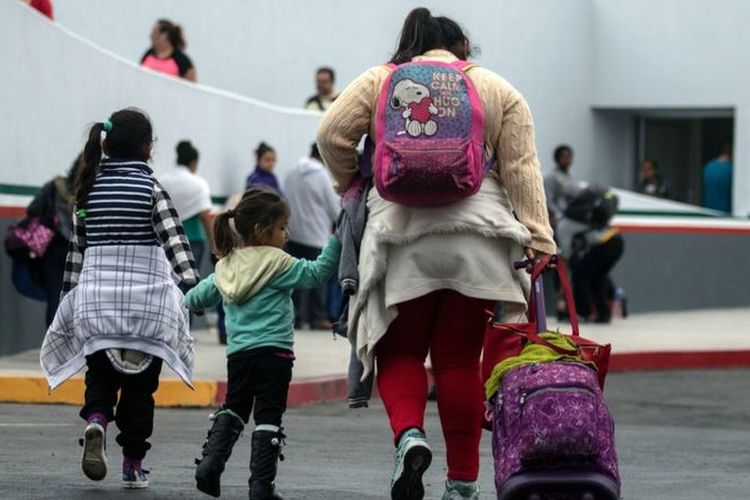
{"x": 535, "y": 338}
{"x": 539, "y": 267}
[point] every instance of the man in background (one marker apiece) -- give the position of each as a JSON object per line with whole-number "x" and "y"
{"x": 315, "y": 206}
{"x": 717, "y": 181}
{"x": 558, "y": 185}
{"x": 325, "y": 78}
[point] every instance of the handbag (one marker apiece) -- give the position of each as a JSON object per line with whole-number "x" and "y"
{"x": 503, "y": 340}
{"x": 29, "y": 239}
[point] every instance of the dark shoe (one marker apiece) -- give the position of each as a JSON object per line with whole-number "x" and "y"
{"x": 413, "y": 456}
{"x": 264, "y": 458}
{"x": 224, "y": 432}
{"x": 322, "y": 325}
{"x": 432, "y": 394}
{"x": 135, "y": 478}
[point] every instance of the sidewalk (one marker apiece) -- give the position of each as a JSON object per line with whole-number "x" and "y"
{"x": 693, "y": 339}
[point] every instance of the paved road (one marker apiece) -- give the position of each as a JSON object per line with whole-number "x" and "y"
{"x": 681, "y": 435}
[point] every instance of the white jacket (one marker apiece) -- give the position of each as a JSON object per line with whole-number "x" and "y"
{"x": 315, "y": 205}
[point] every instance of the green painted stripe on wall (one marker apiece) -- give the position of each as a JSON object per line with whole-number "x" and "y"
{"x": 19, "y": 190}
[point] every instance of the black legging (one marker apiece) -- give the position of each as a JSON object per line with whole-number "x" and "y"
{"x": 591, "y": 276}
{"x": 53, "y": 270}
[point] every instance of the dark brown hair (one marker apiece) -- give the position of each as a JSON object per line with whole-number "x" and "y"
{"x": 255, "y": 215}
{"x": 173, "y": 32}
{"x": 327, "y": 70}
{"x": 262, "y": 149}
{"x": 186, "y": 153}
{"x": 129, "y": 138}
{"x": 422, "y": 32}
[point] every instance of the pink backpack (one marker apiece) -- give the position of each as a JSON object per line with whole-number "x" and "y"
{"x": 429, "y": 127}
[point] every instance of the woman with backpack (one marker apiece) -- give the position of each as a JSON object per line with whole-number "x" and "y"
{"x": 54, "y": 203}
{"x": 435, "y": 259}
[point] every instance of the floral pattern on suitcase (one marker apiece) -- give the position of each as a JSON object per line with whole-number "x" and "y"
{"x": 552, "y": 416}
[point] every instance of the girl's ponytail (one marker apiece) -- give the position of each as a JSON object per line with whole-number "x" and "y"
{"x": 223, "y": 236}
{"x": 86, "y": 174}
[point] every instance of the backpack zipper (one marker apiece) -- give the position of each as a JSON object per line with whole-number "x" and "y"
{"x": 525, "y": 396}
{"x": 421, "y": 152}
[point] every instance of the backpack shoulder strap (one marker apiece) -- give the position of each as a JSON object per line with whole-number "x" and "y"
{"x": 464, "y": 65}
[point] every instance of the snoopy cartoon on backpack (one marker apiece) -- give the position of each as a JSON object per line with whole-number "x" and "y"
{"x": 414, "y": 98}
{"x": 429, "y": 134}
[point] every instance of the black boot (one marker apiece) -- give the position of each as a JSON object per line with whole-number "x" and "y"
{"x": 263, "y": 461}
{"x": 224, "y": 433}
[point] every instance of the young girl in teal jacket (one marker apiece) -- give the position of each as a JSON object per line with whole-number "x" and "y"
{"x": 254, "y": 279}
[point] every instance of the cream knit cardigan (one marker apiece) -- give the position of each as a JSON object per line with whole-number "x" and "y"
{"x": 513, "y": 186}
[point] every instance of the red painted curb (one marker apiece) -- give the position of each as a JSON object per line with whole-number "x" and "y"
{"x": 12, "y": 212}
{"x": 696, "y": 360}
{"x": 333, "y": 388}
{"x": 676, "y": 229}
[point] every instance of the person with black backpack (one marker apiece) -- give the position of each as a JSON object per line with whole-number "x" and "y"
{"x": 595, "y": 250}
{"x": 54, "y": 203}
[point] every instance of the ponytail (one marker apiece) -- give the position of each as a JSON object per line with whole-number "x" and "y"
{"x": 423, "y": 32}
{"x": 86, "y": 174}
{"x": 254, "y": 218}
{"x": 128, "y": 137}
{"x": 223, "y": 236}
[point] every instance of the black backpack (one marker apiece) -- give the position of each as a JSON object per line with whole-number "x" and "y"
{"x": 594, "y": 206}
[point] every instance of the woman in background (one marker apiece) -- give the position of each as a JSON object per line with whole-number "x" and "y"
{"x": 166, "y": 53}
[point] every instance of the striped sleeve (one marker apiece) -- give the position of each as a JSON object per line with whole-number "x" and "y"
{"x": 74, "y": 261}
{"x": 172, "y": 238}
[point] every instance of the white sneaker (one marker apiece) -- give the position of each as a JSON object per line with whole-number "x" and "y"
{"x": 461, "y": 490}
{"x": 413, "y": 456}
{"x": 94, "y": 460}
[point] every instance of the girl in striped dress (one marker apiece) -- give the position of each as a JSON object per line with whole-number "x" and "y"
{"x": 121, "y": 312}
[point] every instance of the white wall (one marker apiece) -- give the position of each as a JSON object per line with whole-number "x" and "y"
{"x": 567, "y": 57}
{"x": 678, "y": 54}
{"x": 269, "y": 49}
{"x": 61, "y": 83}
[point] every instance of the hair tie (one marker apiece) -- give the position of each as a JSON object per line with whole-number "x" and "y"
{"x": 107, "y": 125}
{"x": 231, "y": 213}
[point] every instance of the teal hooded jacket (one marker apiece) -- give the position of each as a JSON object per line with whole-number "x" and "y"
{"x": 255, "y": 285}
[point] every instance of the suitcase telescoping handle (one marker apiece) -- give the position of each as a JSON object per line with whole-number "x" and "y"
{"x": 537, "y": 294}
{"x": 536, "y": 301}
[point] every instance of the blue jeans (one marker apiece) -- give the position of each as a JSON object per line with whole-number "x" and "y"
{"x": 198, "y": 247}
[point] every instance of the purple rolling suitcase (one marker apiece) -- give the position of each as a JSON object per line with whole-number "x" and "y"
{"x": 553, "y": 436}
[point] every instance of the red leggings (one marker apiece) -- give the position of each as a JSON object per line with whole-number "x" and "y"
{"x": 450, "y": 327}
